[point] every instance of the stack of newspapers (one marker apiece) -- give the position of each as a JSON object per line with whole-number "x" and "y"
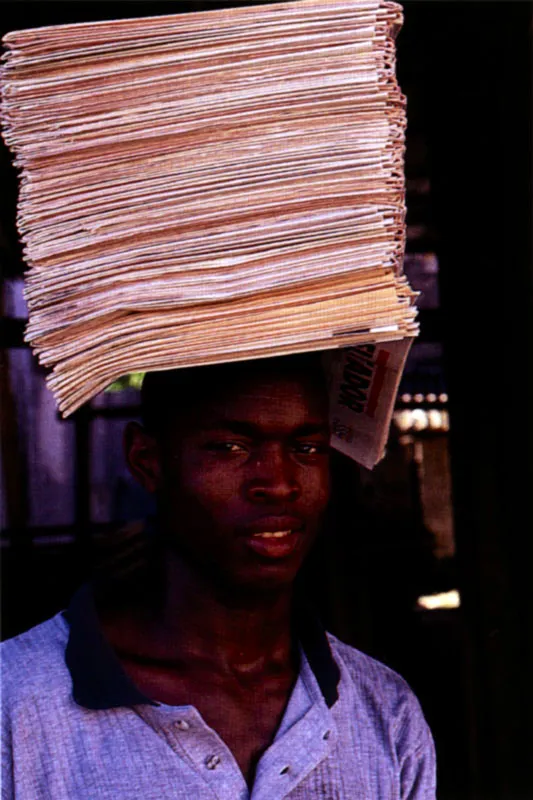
{"x": 216, "y": 186}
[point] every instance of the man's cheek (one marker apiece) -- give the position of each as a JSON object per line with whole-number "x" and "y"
{"x": 317, "y": 490}
{"x": 198, "y": 509}
{"x": 210, "y": 483}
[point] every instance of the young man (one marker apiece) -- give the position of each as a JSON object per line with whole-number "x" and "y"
{"x": 205, "y": 675}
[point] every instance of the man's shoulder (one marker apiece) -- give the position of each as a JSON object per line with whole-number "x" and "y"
{"x": 33, "y": 662}
{"x": 364, "y": 668}
{"x": 47, "y": 636}
{"x": 381, "y": 694}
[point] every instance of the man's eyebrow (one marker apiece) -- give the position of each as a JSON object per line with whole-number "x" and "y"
{"x": 250, "y": 429}
{"x": 312, "y": 428}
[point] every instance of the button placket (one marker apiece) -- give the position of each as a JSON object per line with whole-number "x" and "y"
{"x": 200, "y": 746}
{"x": 207, "y": 752}
{"x": 316, "y": 730}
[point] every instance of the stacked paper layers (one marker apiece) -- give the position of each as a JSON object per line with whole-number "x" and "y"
{"x": 208, "y": 187}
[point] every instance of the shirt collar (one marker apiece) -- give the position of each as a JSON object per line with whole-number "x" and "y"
{"x": 100, "y": 682}
{"x": 98, "y": 679}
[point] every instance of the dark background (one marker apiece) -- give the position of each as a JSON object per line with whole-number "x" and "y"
{"x": 466, "y": 70}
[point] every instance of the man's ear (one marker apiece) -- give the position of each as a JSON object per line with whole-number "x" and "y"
{"x": 143, "y": 456}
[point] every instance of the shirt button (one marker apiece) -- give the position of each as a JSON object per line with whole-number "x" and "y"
{"x": 284, "y": 770}
{"x": 182, "y": 725}
{"x": 212, "y": 762}
{"x": 326, "y": 735}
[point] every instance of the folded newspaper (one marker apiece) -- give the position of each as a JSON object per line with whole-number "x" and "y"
{"x": 216, "y": 186}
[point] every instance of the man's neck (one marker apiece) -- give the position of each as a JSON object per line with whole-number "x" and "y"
{"x": 237, "y": 632}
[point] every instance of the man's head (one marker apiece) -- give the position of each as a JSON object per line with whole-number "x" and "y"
{"x": 238, "y": 457}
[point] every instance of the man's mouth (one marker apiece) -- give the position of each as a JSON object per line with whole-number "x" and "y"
{"x": 273, "y": 526}
{"x": 272, "y": 542}
{"x": 273, "y": 534}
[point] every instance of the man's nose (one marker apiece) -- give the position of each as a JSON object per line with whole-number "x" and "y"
{"x": 273, "y": 476}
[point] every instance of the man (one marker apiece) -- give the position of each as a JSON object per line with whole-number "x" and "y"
{"x": 205, "y": 675}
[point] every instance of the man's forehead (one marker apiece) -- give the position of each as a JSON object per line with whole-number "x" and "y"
{"x": 268, "y": 402}
{"x": 291, "y": 387}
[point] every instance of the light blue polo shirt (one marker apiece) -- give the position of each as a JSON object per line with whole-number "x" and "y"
{"x": 76, "y": 728}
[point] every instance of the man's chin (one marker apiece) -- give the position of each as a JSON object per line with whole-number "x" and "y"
{"x": 261, "y": 581}
{"x": 240, "y": 573}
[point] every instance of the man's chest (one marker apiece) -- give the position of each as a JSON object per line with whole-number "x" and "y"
{"x": 245, "y": 717}
{"x": 157, "y": 752}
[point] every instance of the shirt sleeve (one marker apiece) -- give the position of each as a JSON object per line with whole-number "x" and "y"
{"x": 7, "y": 791}
{"x": 419, "y": 772}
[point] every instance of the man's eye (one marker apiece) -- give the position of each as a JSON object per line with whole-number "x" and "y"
{"x": 226, "y": 447}
{"x": 311, "y": 448}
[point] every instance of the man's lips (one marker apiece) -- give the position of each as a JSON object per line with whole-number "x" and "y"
{"x": 274, "y": 537}
{"x": 272, "y": 525}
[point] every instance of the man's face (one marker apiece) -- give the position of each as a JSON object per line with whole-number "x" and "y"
{"x": 245, "y": 479}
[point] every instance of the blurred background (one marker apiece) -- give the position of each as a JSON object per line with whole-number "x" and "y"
{"x": 429, "y": 563}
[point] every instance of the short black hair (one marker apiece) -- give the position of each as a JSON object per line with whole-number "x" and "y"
{"x": 167, "y": 394}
